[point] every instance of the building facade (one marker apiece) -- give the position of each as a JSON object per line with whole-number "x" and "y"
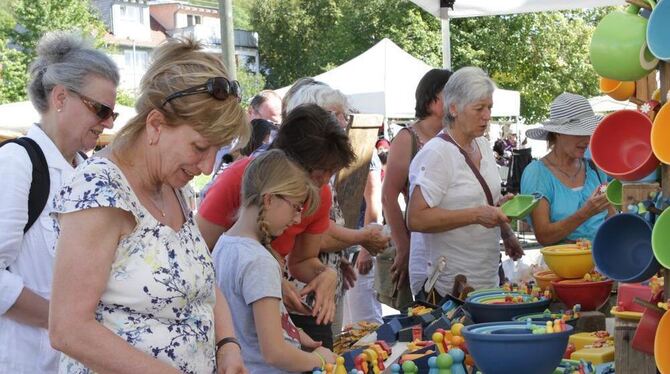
{"x": 137, "y": 26}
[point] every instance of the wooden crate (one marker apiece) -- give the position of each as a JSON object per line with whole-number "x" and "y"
{"x": 629, "y": 360}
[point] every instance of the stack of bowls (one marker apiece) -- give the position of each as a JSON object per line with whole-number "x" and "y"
{"x": 511, "y": 347}
{"x": 490, "y": 305}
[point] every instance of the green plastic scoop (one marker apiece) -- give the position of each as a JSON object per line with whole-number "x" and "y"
{"x": 520, "y": 205}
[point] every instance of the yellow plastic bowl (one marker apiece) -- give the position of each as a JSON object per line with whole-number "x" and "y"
{"x": 617, "y": 90}
{"x": 567, "y": 261}
{"x": 660, "y": 135}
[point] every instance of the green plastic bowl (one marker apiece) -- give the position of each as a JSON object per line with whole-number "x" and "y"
{"x": 614, "y": 193}
{"x": 660, "y": 238}
{"x": 520, "y": 206}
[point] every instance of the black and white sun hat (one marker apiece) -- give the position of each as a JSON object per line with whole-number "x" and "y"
{"x": 570, "y": 114}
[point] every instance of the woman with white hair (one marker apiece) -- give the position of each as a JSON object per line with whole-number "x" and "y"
{"x": 338, "y": 237}
{"x": 573, "y": 206}
{"x": 455, "y": 187}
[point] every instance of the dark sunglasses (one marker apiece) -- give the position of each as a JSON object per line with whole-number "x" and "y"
{"x": 219, "y": 88}
{"x": 102, "y": 111}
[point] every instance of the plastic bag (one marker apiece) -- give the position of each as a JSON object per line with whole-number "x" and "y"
{"x": 517, "y": 271}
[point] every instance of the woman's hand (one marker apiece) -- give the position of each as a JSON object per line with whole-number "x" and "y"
{"x": 292, "y": 299}
{"x": 327, "y": 354}
{"x": 229, "y": 360}
{"x": 348, "y": 274}
{"x": 513, "y": 248}
{"x": 506, "y": 198}
{"x": 400, "y": 268}
{"x": 489, "y": 216}
{"x": 363, "y": 262}
{"x": 596, "y": 203}
{"x": 324, "y": 286}
{"x": 307, "y": 343}
{"x": 375, "y": 239}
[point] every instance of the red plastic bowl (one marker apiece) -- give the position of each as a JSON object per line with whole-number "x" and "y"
{"x": 590, "y": 295}
{"x": 621, "y": 146}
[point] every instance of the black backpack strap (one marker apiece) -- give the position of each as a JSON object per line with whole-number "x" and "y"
{"x": 595, "y": 169}
{"x": 39, "y": 188}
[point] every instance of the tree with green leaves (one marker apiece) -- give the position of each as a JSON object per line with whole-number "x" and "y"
{"x": 538, "y": 54}
{"x": 22, "y": 24}
{"x": 307, "y": 37}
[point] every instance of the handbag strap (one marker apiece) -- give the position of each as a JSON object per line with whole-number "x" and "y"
{"x": 487, "y": 191}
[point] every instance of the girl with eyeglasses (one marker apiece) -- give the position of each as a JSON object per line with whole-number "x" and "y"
{"x": 73, "y": 88}
{"x": 134, "y": 287}
{"x": 249, "y": 271}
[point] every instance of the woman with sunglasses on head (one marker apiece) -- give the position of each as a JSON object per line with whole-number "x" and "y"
{"x": 134, "y": 287}
{"x": 73, "y": 88}
{"x": 275, "y": 191}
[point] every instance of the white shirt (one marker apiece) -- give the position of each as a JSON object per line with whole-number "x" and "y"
{"x": 447, "y": 182}
{"x": 26, "y": 260}
{"x": 418, "y": 262}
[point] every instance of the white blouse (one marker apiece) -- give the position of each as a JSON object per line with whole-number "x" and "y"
{"x": 447, "y": 182}
{"x": 26, "y": 260}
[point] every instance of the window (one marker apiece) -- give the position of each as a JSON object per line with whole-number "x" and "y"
{"x": 131, "y": 13}
{"x": 141, "y": 60}
{"x": 193, "y": 20}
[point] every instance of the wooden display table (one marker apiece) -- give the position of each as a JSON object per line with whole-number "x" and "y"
{"x": 629, "y": 360}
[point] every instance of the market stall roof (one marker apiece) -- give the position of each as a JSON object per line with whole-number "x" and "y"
{"x": 477, "y": 8}
{"x": 605, "y": 104}
{"x": 16, "y": 118}
{"x": 383, "y": 79}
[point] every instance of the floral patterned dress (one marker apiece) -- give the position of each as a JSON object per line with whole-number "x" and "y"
{"x": 160, "y": 294}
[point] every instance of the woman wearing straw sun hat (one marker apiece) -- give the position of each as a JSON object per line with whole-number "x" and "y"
{"x": 573, "y": 206}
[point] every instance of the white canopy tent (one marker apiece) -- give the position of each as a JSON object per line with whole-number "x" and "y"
{"x": 383, "y": 79}
{"x": 16, "y": 119}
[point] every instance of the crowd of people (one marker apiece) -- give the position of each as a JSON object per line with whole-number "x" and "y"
{"x": 113, "y": 270}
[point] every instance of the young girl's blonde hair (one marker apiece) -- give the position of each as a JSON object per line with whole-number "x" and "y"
{"x": 179, "y": 64}
{"x": 274, "y": 173}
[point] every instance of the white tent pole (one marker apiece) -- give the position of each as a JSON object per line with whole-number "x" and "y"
{"x": 446, "y": 38}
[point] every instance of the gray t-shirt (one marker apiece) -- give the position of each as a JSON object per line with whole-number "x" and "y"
{"x": 246, "y": 272}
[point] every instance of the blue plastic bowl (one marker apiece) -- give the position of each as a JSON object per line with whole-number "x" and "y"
{"x": 622, "y": 249}
{"x": 481, "y": 313}
{"x": 658, "y": 38}
{"x": 542, "y": 319}
{"x": 509, "y": 348}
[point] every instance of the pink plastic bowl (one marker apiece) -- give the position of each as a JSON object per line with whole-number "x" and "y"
{"x": 621, "y": 146}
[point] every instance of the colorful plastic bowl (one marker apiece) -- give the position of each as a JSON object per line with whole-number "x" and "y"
{"x": 590, "y": 295}
{"x": 660, "y": 135}
{"x": 617, "y": 90}
{"x": 614, "y": 193}
{"x": 568, "y": 261}
{"x": 520, "y": 206}
{"x": 660, "y": 238}
{"x": 489, "y": 308}
{"x": 662, "y": 344}
{"x": 622, "y": 249}
{"x": 543, "y": 279}
{"x": 542, "y": 319}
{"x": 621, "y": 146}
{"x": 509, "y": 347}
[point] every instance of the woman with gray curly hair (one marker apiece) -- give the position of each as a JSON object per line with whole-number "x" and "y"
{"x": 73, "y": 88}
{"x": 455, "y": 190}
